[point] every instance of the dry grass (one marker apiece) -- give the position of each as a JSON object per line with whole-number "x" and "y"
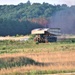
{"x": 45, "y": 57}
{"x": 64, "y": 60}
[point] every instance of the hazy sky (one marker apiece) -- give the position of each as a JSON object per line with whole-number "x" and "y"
{"x": 68, "y": 2}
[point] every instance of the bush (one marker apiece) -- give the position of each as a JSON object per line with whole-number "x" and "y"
{"x": 37, "y": 42}
{"x": 32, "y": 37}
{"x": 4, "y": 47}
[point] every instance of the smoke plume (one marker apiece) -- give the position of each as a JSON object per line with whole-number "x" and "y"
{"x": 65, "y": 20}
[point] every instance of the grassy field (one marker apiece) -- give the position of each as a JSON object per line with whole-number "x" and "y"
{"x": 30, "y": 58}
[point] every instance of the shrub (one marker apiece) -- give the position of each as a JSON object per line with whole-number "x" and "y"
{"x": 4, "y": 47}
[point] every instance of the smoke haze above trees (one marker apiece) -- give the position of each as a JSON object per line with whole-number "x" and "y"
{"x": 65, "y": 20}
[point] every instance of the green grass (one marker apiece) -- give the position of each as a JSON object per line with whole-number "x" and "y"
{"x": 50, "y": 72}
{"x": 34, "y": 72}
{"x": 30, "y": 46}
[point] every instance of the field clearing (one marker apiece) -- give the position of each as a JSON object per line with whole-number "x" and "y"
{"x": 24, "y": 57}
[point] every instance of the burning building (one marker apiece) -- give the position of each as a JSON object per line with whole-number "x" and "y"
{"x": 46, "y": 34}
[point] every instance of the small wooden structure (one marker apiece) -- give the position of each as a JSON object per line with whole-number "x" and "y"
{"x": 46, "y": 34}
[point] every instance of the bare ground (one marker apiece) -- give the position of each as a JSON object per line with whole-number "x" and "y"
{"x": 13, "y": 38}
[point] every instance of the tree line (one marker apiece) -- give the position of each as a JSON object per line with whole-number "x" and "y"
{"x": 12, "y": 27}
{"x": 22, "y": 18}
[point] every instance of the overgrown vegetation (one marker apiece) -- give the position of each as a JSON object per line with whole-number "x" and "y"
{"x": 42, "y": 72}
{"x": 50, "y": 72}
{"x": 52, "y": 56}
{"x": 10, "y": 46}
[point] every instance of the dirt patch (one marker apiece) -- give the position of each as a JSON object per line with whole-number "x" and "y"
{"x": 14, "y": 38}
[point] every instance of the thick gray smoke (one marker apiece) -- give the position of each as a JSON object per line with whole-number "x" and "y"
{"x": 65, "y": 20}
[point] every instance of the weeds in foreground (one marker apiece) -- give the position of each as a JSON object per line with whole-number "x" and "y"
{"x": 9, "y": 46}
{"x": 34, "y": 72}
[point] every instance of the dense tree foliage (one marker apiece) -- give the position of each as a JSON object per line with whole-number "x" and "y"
{"x": 27, "y": 10}
{"x": 12, "y": 27}
{"x": 14, "y": 19}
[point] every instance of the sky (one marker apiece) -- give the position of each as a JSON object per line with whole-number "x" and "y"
{"x": 15, "y": 2}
